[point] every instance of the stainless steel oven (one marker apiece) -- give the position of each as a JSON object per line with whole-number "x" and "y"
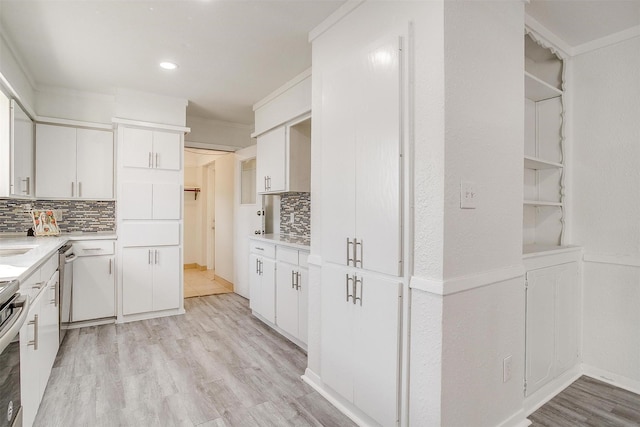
{"x": 13, "y": 312}
{"x": 65, "y": 266}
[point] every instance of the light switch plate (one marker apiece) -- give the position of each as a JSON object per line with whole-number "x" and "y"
{"x": 468, "y": 195}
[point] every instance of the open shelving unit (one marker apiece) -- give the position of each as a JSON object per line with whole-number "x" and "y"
{"x": 544, "y": 153}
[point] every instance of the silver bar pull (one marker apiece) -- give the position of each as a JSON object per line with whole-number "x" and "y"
{"x": 261, "y": 267}
{"x": 355, "y": 289}
{"x": 79, "y": 189}
{"x": 297, "y": 280}
{"x": 27, "y": 180}
{"x": 293, "y": 279}
{"x": 37, "y": 285}
{"x": 157, "y": 162}
{"x": 156, "y": 256}
{"x": 110, "y": 263}
{"x": 257, "y": 266}
{"x": 92, "y": 249}
{"x": 73, "y": 187}
{"x": 357, "y": 260}
{"x": 54, "y": 288}
{"x": 269, "y": 181}
{"x": 348, "y": 279}
{"x": 349, "y": 252}
{"x": 34, "y": 322}
{"x": 150, "y": 160}
{"x": 149, "y": 256}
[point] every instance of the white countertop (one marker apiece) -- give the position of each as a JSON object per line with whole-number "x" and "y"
{"x": 297, "y": 242}
{"x": 20, "y": 266}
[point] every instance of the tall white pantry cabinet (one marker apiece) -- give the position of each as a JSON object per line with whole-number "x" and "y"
{"x": 150, "y": 219}
{"x": 362, "y": 283}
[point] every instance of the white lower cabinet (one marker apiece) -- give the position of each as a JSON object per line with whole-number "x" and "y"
{"x": 552, "y": 297}
{"x": 94, "y": 294}
{"x": 361, "y": 340}
{"x": 262, "y": 286}
{"x": 292, "y": 296}
{"x": 39, "y": 340}
{"x": 150, "y": 279}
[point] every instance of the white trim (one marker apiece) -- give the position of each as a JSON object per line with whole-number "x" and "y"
{"x": 615, "y": 380}
{"x": 139, "y": 123}
{"x": 315, "y": 382}
{"x": 204, "y": 145}
{"x": 77, "y": 123}
{"x": 466, "y": 283}
{"x": 605, "y": 41}
{"x": 225, "y": 123}
{"x": 519, "y": 419}
{"x": 625, "y": 260}
{"x": 564, "y": 49}
{"x": 289, "y": 122}
{"x": 533, "y": 402}
{"x": 334, "y": 18}
{"x": 282, "y": 89}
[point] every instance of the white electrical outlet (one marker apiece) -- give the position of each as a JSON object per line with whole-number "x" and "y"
{"x": 506, "y": 369}
{"x": 468, "y": 195}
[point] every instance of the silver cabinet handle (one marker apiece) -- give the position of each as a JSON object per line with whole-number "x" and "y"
{"x": 260, "y": 267}
{"x": 149, "y": 256}
{"x": 357, "y": 260}
{"x": 92, "y": 249}
{"x": 348, "y": 279}
{"x": 157, "y": 162}
{"x": 156, "y": 251}
{"x": 269, "y": 182}
{"x": 150, "y": 160}
{"x": 27, "y": 180}
{"x": 265, "y": 183}
{"x": 34, "y": 322}
{"x": 257, "y": 266}
{"x": 293, "y": 279}
{"x": 54, "y": 288}
{"x": 73, "y": 187}
{"x": 110, "y": 263}
{"x": 350, "y": 255}
{"x": 38, "y": 285}
{"x": 298, "y": 280}
{"x": 355, "y": 289}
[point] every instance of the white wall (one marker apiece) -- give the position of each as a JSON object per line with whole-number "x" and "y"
{"x": 606, "y": 204}
{"x": 217, "y": 135}
{"x": 15, "y": 78}
{"x": 224, "y": 183}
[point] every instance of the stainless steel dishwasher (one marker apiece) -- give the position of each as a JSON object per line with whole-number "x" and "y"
{"x": 65, "y": 265}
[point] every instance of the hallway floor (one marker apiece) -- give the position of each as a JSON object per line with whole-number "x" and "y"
{"x": 199, "y": 283}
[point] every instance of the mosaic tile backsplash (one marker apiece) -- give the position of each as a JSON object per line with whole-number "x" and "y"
{"x": 300, "y": 205}
{"x": 77, "y": 215}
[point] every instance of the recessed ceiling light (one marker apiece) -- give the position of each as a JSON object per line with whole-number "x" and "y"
{"x": 168, "y": 65}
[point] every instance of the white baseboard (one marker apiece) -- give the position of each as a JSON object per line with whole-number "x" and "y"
{"x": 549, "y": 391}
{"x": 87, "y": 323}
{"x": 519, "y": 419}
{"x": 611, "y": 378}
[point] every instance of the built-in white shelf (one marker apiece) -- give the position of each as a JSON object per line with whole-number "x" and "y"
{"x": 538, "y": 90}
{"x": 539, "y": 164}
{"x": 541, "y": 203}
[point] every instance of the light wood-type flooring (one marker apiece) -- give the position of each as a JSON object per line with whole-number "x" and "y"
{"x": 216, "y": 365}
{"x": 198, "y": 283}
{"x": 589, "y": 402}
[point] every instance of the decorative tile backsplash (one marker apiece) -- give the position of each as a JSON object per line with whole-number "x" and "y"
{"x": 298, "y": 204}
{"x": 77, "y": 215}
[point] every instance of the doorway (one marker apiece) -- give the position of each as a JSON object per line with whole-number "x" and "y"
{"x": 207, "y": 191}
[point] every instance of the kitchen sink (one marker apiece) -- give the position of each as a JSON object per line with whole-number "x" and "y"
{"x": 16, "y": 250}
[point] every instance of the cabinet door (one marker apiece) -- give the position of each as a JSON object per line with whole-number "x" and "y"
{"x": 137, "y": 148}
{"x": 55, "y": 161}
{"x": 377, "y": 165}
{"x": 303, "y": 302}
{"x": 337, "y": 332}
{"x": 95, "y": 164}
{"x": 287, "y": 298}
{"x": 271, "y": 163}
{"x": 166, "y": 278}
{"x": 166, "y": 201}
{"x": 338, "y": 129}
{"x": 93, "y": 288}
{"x": 48, "y": 332}
{"x": 268, "y": 290}
{"x": 136, "y": 200}
{"x": 22, "y": 152}
{"x": 254, "y": 282}
{"x": 376, "y": 348}
{"x": 30, "y": 392}
{"x": 137, "y": 285}
{"x": 167, "y": 153}
{"x": 540, "y": 327}
{"x": 568, "y": 317}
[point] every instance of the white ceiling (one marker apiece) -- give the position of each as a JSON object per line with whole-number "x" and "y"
{"x": 231, "y": 53}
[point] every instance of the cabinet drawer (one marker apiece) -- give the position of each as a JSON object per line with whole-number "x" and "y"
{"x": 288, "y": 255}
{"x": 32, "y": 285}
{"x": 49, "y": 267}
{"x": 94, "y": 247}
{"x": 265, "y": 249}
{"x": 303, "y": 258}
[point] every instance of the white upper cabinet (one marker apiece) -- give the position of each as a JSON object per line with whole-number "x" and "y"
{"x": 22, "y": 149}
{"x": 144, "y": 148}
{"x": 361, "y": 164}
{"x": 74, "y": 162}
{"x": 284, "y": 158}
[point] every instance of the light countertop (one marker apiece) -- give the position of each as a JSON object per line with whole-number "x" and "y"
{"x": 296, "y": 242}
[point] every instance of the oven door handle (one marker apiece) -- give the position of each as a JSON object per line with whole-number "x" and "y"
{"x": 70, "y": 259}
{"x": 14, "y": 325}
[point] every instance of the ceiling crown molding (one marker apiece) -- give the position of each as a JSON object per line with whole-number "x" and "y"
{"x": 609, "y": 40}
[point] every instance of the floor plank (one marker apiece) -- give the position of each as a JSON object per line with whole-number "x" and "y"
{"x": 215, "y": 366}
{"x": 589, "y": 402}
